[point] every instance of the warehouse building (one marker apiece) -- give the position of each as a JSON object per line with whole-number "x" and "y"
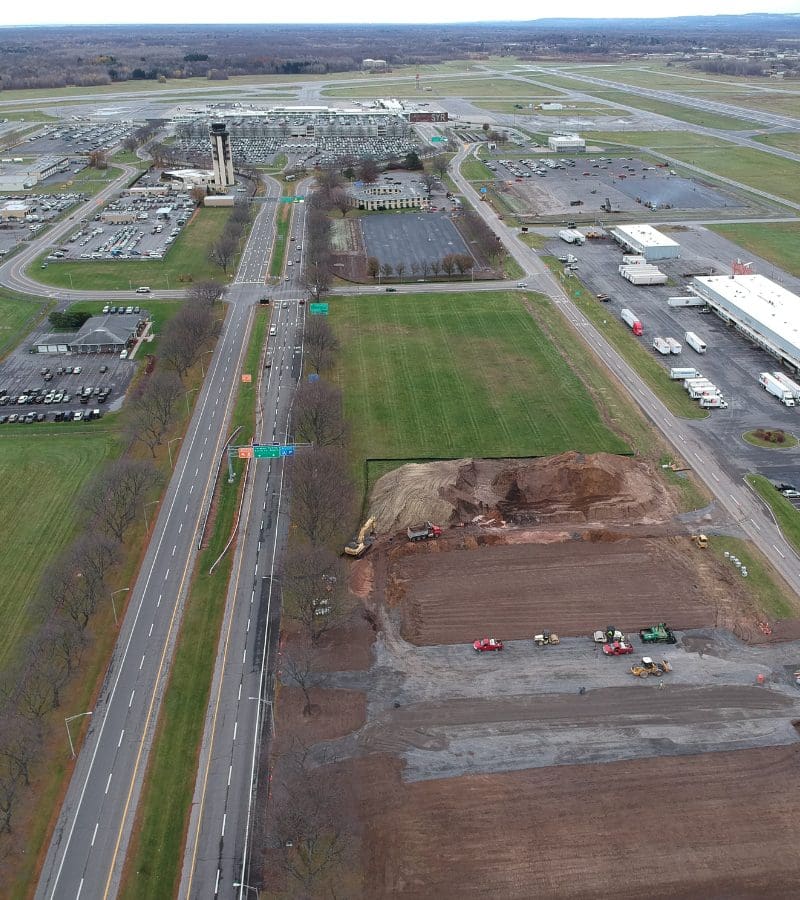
{"x": 646, "y": 241}
{"x": 566, "y": 143}
{"x": 764, "y": 312}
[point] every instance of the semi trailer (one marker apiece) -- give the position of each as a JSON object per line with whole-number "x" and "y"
{"x": 696, "y": 343}
{"x": 772, "y": 386}
{"x": 630, "y": 318}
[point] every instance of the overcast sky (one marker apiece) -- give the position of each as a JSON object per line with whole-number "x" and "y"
{"x": 46, "y": 12}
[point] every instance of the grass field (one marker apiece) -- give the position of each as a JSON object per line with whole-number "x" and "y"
{"x": 42, "y": 476}
{"x": 155, "y": 857}
{"x": 459, "y": 375}
{"x": 469, "y": 86}
{"x": 786, "y": 515}
{"x": 635, "y": 351}
{"x": 17, "y": 315}
{"x": 658, "y": 140}
{"x": 282, "y": 224}
{"x": 776, "y": 242}
{"x": 784, "y": 140}
{"x": 88, "y": 181}
{"x": 474, "y": 170}
{"x": 188, "y": 256}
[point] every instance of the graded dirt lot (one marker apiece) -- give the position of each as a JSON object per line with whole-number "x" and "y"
{"x": 572, "y": 587}
{"x": 721, "y": 825}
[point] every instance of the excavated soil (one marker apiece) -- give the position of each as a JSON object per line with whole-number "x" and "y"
{"x": 572, "y": 488}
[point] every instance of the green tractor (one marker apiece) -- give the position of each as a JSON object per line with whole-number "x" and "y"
{"x": 658, "y": 634}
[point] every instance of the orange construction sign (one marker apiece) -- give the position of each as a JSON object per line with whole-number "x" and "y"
{"x": 245, "y": 452}
{"x": 246, "y": 379}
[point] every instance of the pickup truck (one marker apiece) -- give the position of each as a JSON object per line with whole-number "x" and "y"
{"x": 423, "y": 532}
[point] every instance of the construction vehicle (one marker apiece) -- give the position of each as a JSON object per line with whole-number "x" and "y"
{"x": 648, "y": 667}
{"x": 546, "y": 638}
{"x": 608, "y": 636}
{"x": 363, "y": 540}
{"x": 423, "y": 532}
{"x": 700, "y": 540}
{"x": 658, "y": 634}
{"x": 617, "y": 648}
{"x": 484, "y": 645}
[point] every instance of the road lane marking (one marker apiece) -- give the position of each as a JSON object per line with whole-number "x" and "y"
{"x": 734, "y": 499}
{"x": 758, "y": 527}
{"x": 191, "y": 489}
{"x": 235, "y": 728}
{"x": 141, "y": 662}
{"x": 149, "y": 633}
{"x": 224, "y": 820}
{"x": 174, "y": 548}
{"x": 119, "y": 742}
{"x": 714, "y": 477}
{"x": 130, "y": 702}
{"x": 166, "y": 576}
{"x": 244, "y": 655}
{"x": 108, "y": 783}
{"x": 230, "y": 772}
{"x": 180, "y": 528}
{"x": 80, "y": 888}
{"x": 779, "y": 552}
{"x": 247, "y": 630}
{"x": 94, "y": 833}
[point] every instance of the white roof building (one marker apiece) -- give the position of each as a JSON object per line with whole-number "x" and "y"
{"x": 646, "y": 241}
{"x": 763, "y": 311}
{"x": 565, "y": 142}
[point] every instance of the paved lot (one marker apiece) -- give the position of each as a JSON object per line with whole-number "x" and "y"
{"x": 411, "y": 238}
{"x": 75, "y": 135}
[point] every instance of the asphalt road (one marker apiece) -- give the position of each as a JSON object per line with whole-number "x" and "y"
{"x": 88, "y": 847}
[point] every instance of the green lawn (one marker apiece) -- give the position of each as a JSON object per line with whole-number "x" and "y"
{"x": 776, "y": 242}
{"x": 785, "y": 140}
{"x": 88, "y": 181}
{"x": 474, "y": 170}
{"x": 636, "y": 351}
{"x": 469, "y": 86}
{"x": 43, "y": 468}
{"x": 658, "y": 140}
{"x": 452, "y": 375}
{"x": 187, "y": 258}
{"x": 786, "y": 515}
{"x": 17, "y": 316}
{"x": 281, "y": 236}
{"x": 155, "y": 857}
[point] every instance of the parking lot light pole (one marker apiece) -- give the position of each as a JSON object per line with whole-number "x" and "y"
{"x": 69, "y": 719}
{"x": 144, "y": 511}
{"x": 247, "y": 887}
{"x": 169, "y": 448}
{"x": 114, "y": 605}
{"x": 271, "y": 711}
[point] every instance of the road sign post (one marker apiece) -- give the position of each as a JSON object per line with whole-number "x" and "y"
{"x": 318, "y": 309}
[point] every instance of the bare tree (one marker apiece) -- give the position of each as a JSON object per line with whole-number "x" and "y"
{"x": 373, "y": 266}
{"x": 341, "y": 200}
{"x": 152, "y": 412}
{"x": 387, "y": 270}
{"x": 317, "y": 415}
{"x": 20, "y": 741}
{"x": 93, "y": 554}
{"x": 448, "y": 264}
{"x": 415, "y": 268}
{"x": 464, "y": 262}
{"x": 313, "y": 589}
{"x": 9, "y": 791}
{"x": 187, "y": 335}
{"x": 320, "y": 343}
{"x": 300, "y": 668}
{"x": 429, "y": 180}
{"x": 198, "y": 194}
{"x": 322, "y": 493}
{"x": 399, "y": 268}
{"x": 112, "y": 498}
{"x": 98, "y": 159}
{"x": 222, "y": 251}
{"x": 368, "y": 170}
{"x": 439, "y": 163}
{"x": 206, "y": 291}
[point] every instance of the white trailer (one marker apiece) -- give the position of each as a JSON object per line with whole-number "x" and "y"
{"x": 663, "y": 347}
{"x": 572, "y": 236}
{"x": 643, "y": 274}
{"x": 713, "y": 403}
{"x": 689, "y": 300}
{"x": 678, "y": 373}
{"x": 772, "y": 386}
{"x": 674, "y": 346}
{"x": 630, "y": 318}
{"x": 792, "y": 386}
{"x": 630, "y": 259}
{"x": 697, "y": 344}
{"x": 704, "y": 390}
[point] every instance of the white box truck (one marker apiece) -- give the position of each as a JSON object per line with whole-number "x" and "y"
{"x": 691, "y": 300}
{"x": 704, "y": 390}
{"x": 713, "y": 403}
{"x": 792, "y": 386}
{"x": 696, "y": 343}
{"x": 772, "y": 386}
{"x": 662, "y": 346}
{"x": 674, "y": 346}
{"x": 680, "y": 373}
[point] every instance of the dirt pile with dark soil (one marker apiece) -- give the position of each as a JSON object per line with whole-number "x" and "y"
{"x": 568, "y": 488}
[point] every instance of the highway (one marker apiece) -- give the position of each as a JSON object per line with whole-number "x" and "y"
{"x": 89, "y": 844}
{"x": 735, "y": 497}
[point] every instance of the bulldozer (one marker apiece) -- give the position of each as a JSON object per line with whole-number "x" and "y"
{"x": 701, "y": 541}
{"x": 648, "y": 667}
{"x": 658, "y": 634}
{"x": 546, "y": 638}
{"x": 359, "y": 545}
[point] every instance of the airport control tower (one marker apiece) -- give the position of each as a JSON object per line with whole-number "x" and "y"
{"x": 221, "y": 153}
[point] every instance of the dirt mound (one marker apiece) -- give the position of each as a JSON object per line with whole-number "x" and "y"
{"x": 568, "y": 488}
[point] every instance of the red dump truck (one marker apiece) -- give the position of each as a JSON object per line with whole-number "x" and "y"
{"x": 423, "y": 532}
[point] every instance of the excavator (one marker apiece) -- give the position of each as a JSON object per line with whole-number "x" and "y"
{"x": 359, "y": 545}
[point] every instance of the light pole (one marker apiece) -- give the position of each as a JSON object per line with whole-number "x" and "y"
{"x": 114, "y": 605}
{"x": 169, "y": 448}
{"x": 202, "y": 367}
{"x": 67, "y": 720}
{"x": 144, "y": 511}
{"x": 186, "y": 394}
{"x": 271, "y": 711}
{"x": 249, "y": 887}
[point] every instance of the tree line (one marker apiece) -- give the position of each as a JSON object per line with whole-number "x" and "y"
{"x": 223, "y": 250}
{"x": 77, "y": 580}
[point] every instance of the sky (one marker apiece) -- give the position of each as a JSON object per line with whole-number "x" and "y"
{"x": 49, "y": 12}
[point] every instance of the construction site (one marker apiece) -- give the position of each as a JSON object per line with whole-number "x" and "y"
{"x": 437, "y": 745}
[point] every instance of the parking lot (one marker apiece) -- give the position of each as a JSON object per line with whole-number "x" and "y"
{"x": 76, "y": 135}
{"x": 41, "y": 210}
{"x": 589, "y": 184}
{"x": 411, "y": 238}
{"x": 37, "y": 387}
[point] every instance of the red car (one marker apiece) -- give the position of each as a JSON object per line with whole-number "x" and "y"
{"x": 617, "y": 648}
{"x": 484, "y": 644}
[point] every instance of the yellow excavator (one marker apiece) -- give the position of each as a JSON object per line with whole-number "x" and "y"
{"x": 700, "y": 540}
{"x": 359, "y": 545}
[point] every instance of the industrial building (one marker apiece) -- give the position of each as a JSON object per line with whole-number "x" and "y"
{"x": 187, "y": 179}
{"x": 646, "y": 241}
{"x": 13, "y": 210}
{"x": 222, "y": 157}
{"x": 566, "y": 143}
{"x": 763, "y": 311}
{"x": 20, "y": 175}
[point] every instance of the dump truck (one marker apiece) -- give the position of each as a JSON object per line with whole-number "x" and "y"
{"x": 658, "y": 634}
{"x": 423, "y": 532}
{"x": 772, "y": 386}
{"x": 630, "y": 318}
{"x": 359, "y": 545}
{"x": 546, "y": 638}
{"x": 648, "y": 667}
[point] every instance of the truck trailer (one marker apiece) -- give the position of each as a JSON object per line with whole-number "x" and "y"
{"x": 630, "y": 318}
{"x": 792, "y": 386}
{"x": 572, "y": 236}
{"x": 662, "y": 345}
{"x": 679, "y": 373}
{"x": 772, "y": 386}
{"x": 674, "y": 346}
{"x": 713, "y": 402}
{"x": 697, "y": 344}
{"x": 689, "y": 300}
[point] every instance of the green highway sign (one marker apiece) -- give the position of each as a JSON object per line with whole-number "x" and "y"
{"x": 318, "y": 309}
{"x": 436, "y": 140}
{"x": 266, "y": 451}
